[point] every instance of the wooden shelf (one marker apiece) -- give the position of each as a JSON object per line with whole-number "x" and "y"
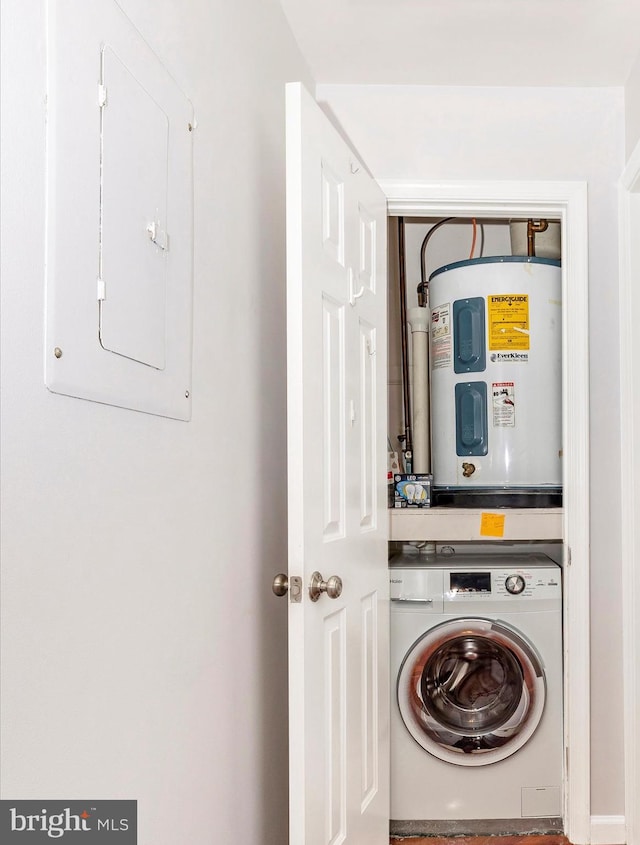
{"x": 448, "y": 524}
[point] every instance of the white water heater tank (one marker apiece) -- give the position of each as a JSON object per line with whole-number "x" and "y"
{"x": 496, "y": 382}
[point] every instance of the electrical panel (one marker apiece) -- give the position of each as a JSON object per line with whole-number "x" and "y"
{"x": 119, "y": 216}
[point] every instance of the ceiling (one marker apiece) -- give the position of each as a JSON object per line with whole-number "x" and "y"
{"x": 468, "y": 42}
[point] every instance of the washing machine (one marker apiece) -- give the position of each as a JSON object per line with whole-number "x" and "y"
{"x": 476, "y": 722}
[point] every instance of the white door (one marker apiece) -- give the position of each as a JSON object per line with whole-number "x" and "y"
{"x": 338, "y": 647}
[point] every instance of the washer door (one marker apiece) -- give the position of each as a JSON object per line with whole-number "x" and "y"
{"x": 471, "y": 691}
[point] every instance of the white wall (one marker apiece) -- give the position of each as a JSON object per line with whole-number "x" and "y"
{"x": 449, "y": 133}
{"x": 632, "y": 107}
{"x": 144, "y": 655}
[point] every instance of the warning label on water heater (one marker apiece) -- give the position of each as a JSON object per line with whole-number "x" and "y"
{"x": 504, "y": 403}
{"x": 508, "y": 321}
{"x": 441, "y": 336}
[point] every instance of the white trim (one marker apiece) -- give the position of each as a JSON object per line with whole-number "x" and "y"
{"x": 566, "y": 201}
{"x": 607, "y": 830}
{"x": 629, "y": 214}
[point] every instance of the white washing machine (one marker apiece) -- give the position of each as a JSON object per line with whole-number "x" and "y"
{"x": 476, "y": 724}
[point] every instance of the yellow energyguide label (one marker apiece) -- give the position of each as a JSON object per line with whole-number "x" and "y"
{"x": 508, "y": 321}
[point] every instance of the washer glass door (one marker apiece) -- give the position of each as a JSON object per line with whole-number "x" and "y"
{"x": 471, "y": 691}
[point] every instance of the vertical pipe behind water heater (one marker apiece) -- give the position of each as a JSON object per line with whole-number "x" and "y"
{"x": 408, "y": 441}
{"x": 419, "y": 318}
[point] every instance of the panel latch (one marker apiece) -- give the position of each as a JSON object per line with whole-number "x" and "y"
{"x": 158, "y": 236}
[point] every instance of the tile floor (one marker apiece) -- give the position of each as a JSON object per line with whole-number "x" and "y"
{"x": 529, "y": 839}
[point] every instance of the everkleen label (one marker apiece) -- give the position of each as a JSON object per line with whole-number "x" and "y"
{"x": 508, "y": 321}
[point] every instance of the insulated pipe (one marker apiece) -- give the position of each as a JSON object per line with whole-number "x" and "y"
{"x": 423, "y": 298}
{"x": 408, "y": 442}
{"x": 419, "y": 319}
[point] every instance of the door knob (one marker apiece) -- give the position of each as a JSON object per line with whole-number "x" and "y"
{"x": 282, "y": 585}
{"x": 332, "y": 586}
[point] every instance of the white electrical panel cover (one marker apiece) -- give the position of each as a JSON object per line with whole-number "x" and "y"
{"x": 134, "y": 243}
{"x": 119, "y": 216}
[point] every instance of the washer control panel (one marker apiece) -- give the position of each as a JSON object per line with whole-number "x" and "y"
{"x": 502, "y": 584}
{"x": 476, "y": 579}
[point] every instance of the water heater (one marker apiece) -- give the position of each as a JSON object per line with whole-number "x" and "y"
{"x": 496, "y": 388}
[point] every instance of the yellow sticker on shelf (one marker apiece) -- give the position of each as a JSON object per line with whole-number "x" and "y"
{"x": 508, "y": 321}
{"x": 492, "y": 525}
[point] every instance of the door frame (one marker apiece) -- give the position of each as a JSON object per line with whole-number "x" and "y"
{"x": 629, "y": 222}
{"x": 566, "y": 201}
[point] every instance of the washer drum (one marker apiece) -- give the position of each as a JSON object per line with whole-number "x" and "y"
{"x": 496, "y": 366}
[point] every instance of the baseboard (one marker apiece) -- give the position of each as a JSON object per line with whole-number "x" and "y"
{"x": 608, "y": 830}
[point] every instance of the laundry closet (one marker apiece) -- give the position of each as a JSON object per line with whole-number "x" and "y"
{"x": 489, "y": 706}
{"x": 475, "y": 457}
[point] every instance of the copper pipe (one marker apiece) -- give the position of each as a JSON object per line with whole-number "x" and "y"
{"x": 532, "y": 228}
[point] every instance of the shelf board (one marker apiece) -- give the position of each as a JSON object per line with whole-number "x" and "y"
{"x": 448, "y": 524}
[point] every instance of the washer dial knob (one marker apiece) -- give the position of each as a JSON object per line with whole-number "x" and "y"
{"x": 515, "y": 584}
